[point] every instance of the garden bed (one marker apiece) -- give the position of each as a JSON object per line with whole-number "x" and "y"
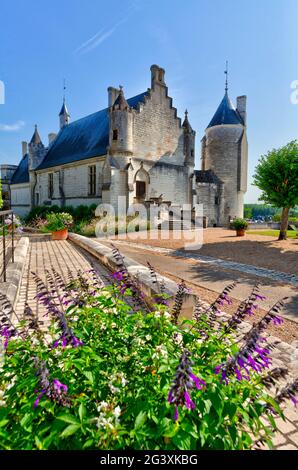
{"x": 113, "y": 372}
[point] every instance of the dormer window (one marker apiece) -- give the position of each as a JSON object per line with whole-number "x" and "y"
{"x": 115, "y": 134}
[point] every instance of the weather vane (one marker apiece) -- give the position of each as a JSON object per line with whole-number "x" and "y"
{"x": 64, "y": 88}
{"x": 227, "y": 74}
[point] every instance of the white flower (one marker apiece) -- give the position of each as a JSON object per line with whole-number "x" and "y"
{"x": 167, "y": 315}
{"x": 148, "y": 337}
{"x": 178, "y": 338}
{"x": 114, "y": 389}
{"x": 117, "y": 411}
{"x": 160, "y": 351}
{"x": 157, "y": 314}
{"x": 113, "y": 325}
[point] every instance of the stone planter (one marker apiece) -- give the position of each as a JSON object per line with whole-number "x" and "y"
{"x": 240, "y": 232}
{"x": 60, "y": 234}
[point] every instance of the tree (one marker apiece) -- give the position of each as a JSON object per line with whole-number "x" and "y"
{"x": 276, "y": 175}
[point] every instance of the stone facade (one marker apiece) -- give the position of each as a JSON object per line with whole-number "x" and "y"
{"x": 149, "y": 155}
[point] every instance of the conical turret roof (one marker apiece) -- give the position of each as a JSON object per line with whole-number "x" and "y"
{"x": 120, "y": 102}
{"x": 225, "y": 114}
{"x": 186, "y": 123}
{"x": 35, "y": 138}
{"x": 64, "y": 109}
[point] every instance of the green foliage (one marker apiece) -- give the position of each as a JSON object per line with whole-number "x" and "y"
{"x": 115, "y": 226}
{"x": 58, "y": 221}
{"x": 273, "y": 233}
{"x": 119, "y": 380}
{"x": 79, "y": 214}
{"x": 239, "y": 224}
{"x": 254, "y": 211}
{"x": 277, "y": 176}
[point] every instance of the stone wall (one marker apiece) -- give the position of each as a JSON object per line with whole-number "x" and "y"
{"x": 209, "y": 195}
{"x": 20, "y": 199}
{"x": 70, "y": 183}
{"x": 158, "y": 134}
{"x": 223, "y": 153}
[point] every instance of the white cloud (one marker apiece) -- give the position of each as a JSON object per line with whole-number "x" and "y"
{"x": 12, "y": 127}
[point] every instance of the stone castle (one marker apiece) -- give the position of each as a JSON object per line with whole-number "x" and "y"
{"x": 138, "y": 148}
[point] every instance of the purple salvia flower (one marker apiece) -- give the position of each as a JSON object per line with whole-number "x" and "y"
{"x": 76, "y": 342}
{"x": 260, "y": 297}
{"x": 39, "y": 398}
{"x": 60, "y": 386}
{"x": 199, "y": 382}
{"x": 185, "y": 380}
{"x": 51, "y": 388}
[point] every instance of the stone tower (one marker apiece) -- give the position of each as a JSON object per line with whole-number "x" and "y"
{"x": 64, "y": 116}
{"x": 37, "y": 153}
{"x": 225, "y": 152}
{"x": 121, "y": 126}
{"x": 189, "y": 142}
{"x": 36, "y": 150}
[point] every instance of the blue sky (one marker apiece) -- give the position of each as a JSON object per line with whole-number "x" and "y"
{"x": 97, "y": 43}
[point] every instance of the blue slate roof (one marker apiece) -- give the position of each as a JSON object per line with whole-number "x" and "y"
{"x": 207, "y": 176}
{"x": 21, "y": 175}
{"x": 85, "y": 138}
{"x": 225, "y": 114}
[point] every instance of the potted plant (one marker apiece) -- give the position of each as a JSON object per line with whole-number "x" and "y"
{"x": 240, "y": 225}
{"x": 13, "y": 223}
{"x": 59, "y": 224}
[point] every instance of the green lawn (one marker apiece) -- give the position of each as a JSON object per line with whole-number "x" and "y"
{"x": 273, "y": 233}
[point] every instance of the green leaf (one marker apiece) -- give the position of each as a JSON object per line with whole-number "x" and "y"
{"x": 68, "y": 419}
{"x": 70, "y": 430}
{"x": 89, "y": 376}
{"x": 82, "y": 411}
{"x": 140, "y": 419}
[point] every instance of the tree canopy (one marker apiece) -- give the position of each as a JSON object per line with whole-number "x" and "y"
{"x": 277, "y": 176}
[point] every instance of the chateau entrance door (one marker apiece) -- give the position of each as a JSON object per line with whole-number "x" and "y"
{"x": 140, "y": 190}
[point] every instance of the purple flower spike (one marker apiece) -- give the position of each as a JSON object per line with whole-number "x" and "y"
{"x": 260, "y": 297}
{"x": 188, "y": 401}
{"x": 38, "y": 398}
{"x": 118, "y": 276}
{"x": 294, "y": 400}
{"x": 59, "y": 386}
{"x": 176, "y": 414}
{"x": 76, "y": 342}
{"x": 199, "y": 382}
{"x": 277, "y": 320}
{"x": 184, "y": 381}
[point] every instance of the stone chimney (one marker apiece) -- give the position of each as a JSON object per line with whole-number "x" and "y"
{"x": 157, "y": 76}
{"x": 52, "y": 136}
{"x": 241, "y": 107}
{"x": 24, "y": 148}
{"x": 113, "y": 94}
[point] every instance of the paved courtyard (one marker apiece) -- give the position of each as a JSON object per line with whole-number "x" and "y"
{"x": 46, "y": 254}
{"x": 220, "y": 243}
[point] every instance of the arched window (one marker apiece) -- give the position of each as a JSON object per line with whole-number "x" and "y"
{"x": 115, "y": 134}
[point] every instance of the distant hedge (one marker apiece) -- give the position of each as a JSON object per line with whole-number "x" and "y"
{"x": 82, "y": 212}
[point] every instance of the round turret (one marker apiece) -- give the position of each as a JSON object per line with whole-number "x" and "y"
{"x": 121, "y": 126}
{"x": 225, "y": 153}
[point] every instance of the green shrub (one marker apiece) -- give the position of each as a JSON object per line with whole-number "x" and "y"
{"x": 239, "y": 224}
{"x": 58, "y": 221}
{"x": 113, "y": 373}
{"x": 79, "y": 214}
